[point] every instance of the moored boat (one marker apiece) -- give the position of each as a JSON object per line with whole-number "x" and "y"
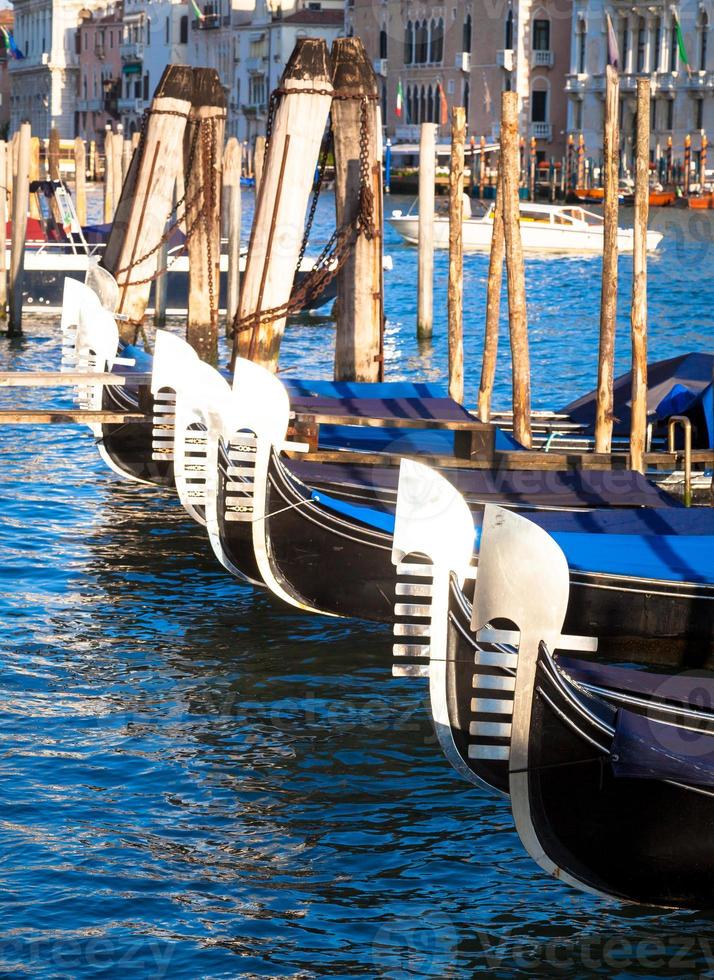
{"x": 545, "y": 228}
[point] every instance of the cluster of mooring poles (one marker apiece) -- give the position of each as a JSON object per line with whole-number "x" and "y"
{"x": 506, "y": 247}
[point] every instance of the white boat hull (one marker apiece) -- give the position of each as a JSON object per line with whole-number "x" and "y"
{"x": 536, "y": 236}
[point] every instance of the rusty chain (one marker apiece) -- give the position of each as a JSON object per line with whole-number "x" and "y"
{"x": 336, "y": 251}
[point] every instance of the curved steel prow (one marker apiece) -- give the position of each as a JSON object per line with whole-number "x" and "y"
{"x": 75, "y": 297}
{"x": 95, "y": 350}
{"x": 103, "y": 283}
{"x": 434, "y": 529}
{"x": 174, "y": 367}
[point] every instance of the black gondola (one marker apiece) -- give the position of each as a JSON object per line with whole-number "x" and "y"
{"x": 612, "y": 800}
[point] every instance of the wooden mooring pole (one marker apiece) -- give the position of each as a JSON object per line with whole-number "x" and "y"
{"x": 53, "y": 155}
{"x": 482, "y": 167}
{"x": 80, "y": 180}
{"x": 288, "y": 175}
{"x": 493, "y": 307}
{"x": 21, "y": 194}
{"x": 4, "y": 180}
{"x": 455, "y": 296}
{"x": 515, "y": 271}
{"x": 34, "y": 174}
{"x": 231, "y": 214}
{"x": 161, "y": 283}
{"x": 360, "y": 304}
{"x": 687, "y": 175}
{"x": 117, "y": 178}
{"x": 108, "y": 205}
{"x": 638, "y": 317}
{"x": 608, "y": 297}
{"x": 258, "y": 161}
{"x": 146, "y": 201}
{"x": 203, "y": 210}
{"x": 425, "y": 273}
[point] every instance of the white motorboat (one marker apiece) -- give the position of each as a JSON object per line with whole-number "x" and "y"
{"x": 544, "y": 228}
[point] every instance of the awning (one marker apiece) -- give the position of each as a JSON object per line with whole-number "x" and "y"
{"x": 133, "y": 68}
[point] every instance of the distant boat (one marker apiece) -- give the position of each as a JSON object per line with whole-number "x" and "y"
{"x": 701, "y": 202}
{"x": 544, "y": 228}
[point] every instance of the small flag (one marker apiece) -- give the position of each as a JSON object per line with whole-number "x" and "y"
{"x": 197, "y": 10}
{"x": 400, "y": 98}
{"x": 443, "y": 106}
{"x": 613, "y": 53}
{"x": 680, "y": 44}
{"x": 8, "y": 42}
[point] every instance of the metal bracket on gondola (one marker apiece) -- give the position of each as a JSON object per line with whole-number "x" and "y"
{"x": 584, "y": 644}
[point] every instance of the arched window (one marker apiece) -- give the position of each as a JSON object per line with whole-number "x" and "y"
{"x": 183, "y": 30}
{"x": 384, "y": 102}
{"x": 467, "y": 92}
{"x": 422, "y": 106}
{"x": 582, "y": 41}
{"x": 409, "y": 43}
{"x": 703, "y": 32}
{"x": 436, "y": 41}
{"x": 673, "y": 47}
{"x": 466, "y": 38}
{"x": 430, "y": 117}
{"x": 408, "y": 116}
{"x": 383, "y": 43}
{"x": 539, "y": 104}
{"x": 641, "y": 41}
{"x": 422, "y": 43}
{"x": 541, "y": 35}
{"x": 509, "y": 31}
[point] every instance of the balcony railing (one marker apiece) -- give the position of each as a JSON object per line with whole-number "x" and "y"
{"x": 256, "y": 63}
{"x": 505, "y": 59}
{"x": 380, "y": 67}
{"x": 542, "y": 59}
{"x": 90, "y": 105}
{"x": 542, "y": 131}
{"x": 463, "y": 61}
{"x": 131, "y": 51}
{"x": 209, "y": 22}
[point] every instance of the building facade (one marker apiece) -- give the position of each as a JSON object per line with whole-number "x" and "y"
{"x": 471, "y": 50}
{"x": 99, "y": 38}
{"x": 6, "y": 21}
{"x": 45, "y": 82}
{"x": 263, "y": 43}
{"x": 682, "y": 99}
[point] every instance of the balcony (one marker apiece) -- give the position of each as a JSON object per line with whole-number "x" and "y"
{"x": 130, "y": 105}
{"x": 579, "y": 84}
{"x": 131, "y": 51}
{"x": 542, "y": 59}
{"x": 463, "y": 61}
{"x": 256, "y": 64}
{"x": 208, "y": 22}
{"x": 99, "y": 51}
{"x": 700, "y": 81}
{"x": 505, "y": 59}
{"x": 380, "y": 67}
{"x": 90, "y": 105}
{"x": 542, "y": 131}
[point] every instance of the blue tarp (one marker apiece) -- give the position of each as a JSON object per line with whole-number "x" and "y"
{"x": 644, "y": 748}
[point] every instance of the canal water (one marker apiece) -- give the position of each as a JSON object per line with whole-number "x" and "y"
{"x": 199, "y": 782}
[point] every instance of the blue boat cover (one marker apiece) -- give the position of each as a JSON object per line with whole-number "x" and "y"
{"x": 676, "y": 386}
{"x": 649, "y": 554}
{"x": 301, "y": 388}
{"x": 647, "y": 749}
{"x": 688, "y": 689}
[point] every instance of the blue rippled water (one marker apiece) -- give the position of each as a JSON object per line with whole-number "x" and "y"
{"x": 198, "y": 782}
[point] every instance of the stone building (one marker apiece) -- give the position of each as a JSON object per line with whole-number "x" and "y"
{"x": 6, "y": 21}
{"x": 98, "y": 41}
{"x": 472, "y": 50}
{"x": 682, "y": 100}
{"x": 45, "y": 82}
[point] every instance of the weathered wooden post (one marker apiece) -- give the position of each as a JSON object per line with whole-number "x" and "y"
{"x": 472, "y": 165}
{"x": 231, "y": 212}
{"x": 34, "y": 174}
{"x": 608, "y": 296}
{"x": 21, "y": 193}
{"x": 703, "y": 163}
{"x": 117, "y": 179}
{"x": 204, "y": 132}
{"x": 493, "y": 307}
{"x": 258, "y": 161}
{"x": 515, "y": 272}
{"x": 482, "y": 166}
{"x": 126, "y": 152}
{"x": 455, "y": 296}
{"x": 425, "y": 274}
{"x": 93, "y": 160}
{"x": 53, "y": 155}
{"x": 568, "y": 165}
{"x": 161, "y": 283}
{"x": 4, "y": 181}
{"x": 288, "y": 174}
{"x": 130, "y": 254}
{"x": 686, "y": 177}
{"x": 638, "y": 317}
{"x": 668, "y": 170}
{"x": 358, "y": 179}
{"x": 80, "y": 180}
{"x": 581, "y": 160}
{"x": 532, "y": 173}
{"x": 108, "y": 176}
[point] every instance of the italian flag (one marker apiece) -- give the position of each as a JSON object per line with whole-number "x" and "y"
{"x": 196, "y": 10}
{"x": 680, "y": 45}
{"x": 400, "y": 98}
